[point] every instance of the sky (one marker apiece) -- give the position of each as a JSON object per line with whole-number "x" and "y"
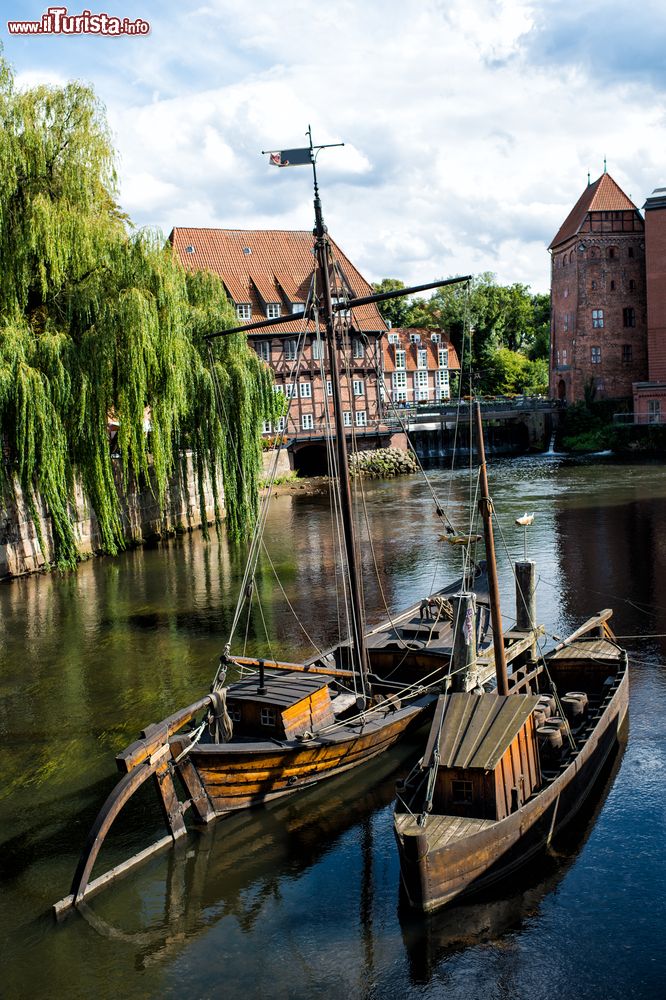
{"x": 469, "y": 128}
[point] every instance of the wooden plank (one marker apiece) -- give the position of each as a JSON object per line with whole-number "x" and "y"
{"x": 435, "y": 732}
{"x": 157, "y": 735}
{"x": 66, "y": 904}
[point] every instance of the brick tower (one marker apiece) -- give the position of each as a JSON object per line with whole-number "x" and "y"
{"x": 598, "y": 297}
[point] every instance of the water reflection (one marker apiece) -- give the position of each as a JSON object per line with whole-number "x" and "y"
{"x": 303, "y": 898}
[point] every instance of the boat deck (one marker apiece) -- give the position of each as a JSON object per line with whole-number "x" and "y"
{"x": 442, "y": 830}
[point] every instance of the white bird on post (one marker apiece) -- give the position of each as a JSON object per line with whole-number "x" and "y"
{"x": 525, "y": 521}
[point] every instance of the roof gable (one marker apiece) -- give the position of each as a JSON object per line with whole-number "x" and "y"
{"x": 262, "y": 266}
{"x": 605, "y": 195}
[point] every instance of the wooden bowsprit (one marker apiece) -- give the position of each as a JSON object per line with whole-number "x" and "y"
{"x": 149, "y": 756}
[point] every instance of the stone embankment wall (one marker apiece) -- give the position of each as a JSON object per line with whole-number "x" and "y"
{"x": 20, "y": 548}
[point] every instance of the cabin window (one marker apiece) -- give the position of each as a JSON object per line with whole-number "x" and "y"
{"x": 234, "y": 713}
{"x": 461, "y": 793}
{"x": 267, "y": 717}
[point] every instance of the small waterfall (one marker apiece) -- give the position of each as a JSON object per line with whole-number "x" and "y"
{"x": 551, "y": 446}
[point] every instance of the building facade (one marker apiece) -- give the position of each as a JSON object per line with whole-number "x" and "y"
{"x": 598, "y": 297}
{"x": 417, "y": 366}
{"x": 269, "y": 274}
{"x": 650, "y": 395}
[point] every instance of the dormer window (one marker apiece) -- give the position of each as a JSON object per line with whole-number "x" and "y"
{"x": 435, "y": 338}
{"x": 244, "y": 310}
{"x": 297, "y": 308}
{"x": 189, "y": 249}
{"x": 393, "y": 338}
{"x": 273, "y": 310}
{"x": 415, "y": 338}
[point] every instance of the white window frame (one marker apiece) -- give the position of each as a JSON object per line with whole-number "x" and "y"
{"x": 393, "y": 338}
{"x": 400, "y": 396}
{"x": 415, "y": 338}
{"x": 273, "y": 310}
{"x": 297, "y": 308}
{"x": 290, "y": 350}
{"x": 443, "y": 357}
{"x": 435, "y": 338}
{"x": 654, "y": 411}
{"x": 597, "y": 319}
{"x": 281, "y": 425}
{"x": 263, "y": 348}
{"x": 358, "y": 386}
{"x": 290, "y": 390}
{"x": 358, "y": 348}
{"x": 305, "y": 389}
{"x": 346, "y": 418}
{"x": 399, "y": 381}
{"x": 422, "y": 357}
{"x": 595, "y": 355}
{"x": 329, "y": 387}
{"x": 400, "y": 359}
{"x": 307, "y": 422}
{"x": 266, "y": 427}
{"x": 361, "y": 418}
{"x": 244, "y": 310}
{"x": 267, "y": 716}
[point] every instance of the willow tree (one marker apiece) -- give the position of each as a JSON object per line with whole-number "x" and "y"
{"x": 96, "y": 320}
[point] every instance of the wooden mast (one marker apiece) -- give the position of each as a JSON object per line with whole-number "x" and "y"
{"x": 322, "y": 252}
{"x": 486, "y": 510}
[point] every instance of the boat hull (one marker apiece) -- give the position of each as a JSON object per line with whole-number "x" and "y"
{"x": 433, "y": 876}
{"x": 239, "y": 775}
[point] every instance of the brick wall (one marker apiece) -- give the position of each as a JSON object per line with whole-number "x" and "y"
{"x": 598, "y": 308}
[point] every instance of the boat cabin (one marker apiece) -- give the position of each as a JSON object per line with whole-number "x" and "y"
{"x": 488, "y": 755}
{"x": 284, "y": 707}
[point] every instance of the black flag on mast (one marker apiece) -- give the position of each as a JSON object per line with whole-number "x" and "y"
{"x": 290, "y": 158}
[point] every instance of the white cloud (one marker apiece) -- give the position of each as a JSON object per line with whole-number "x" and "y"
{"x": 463, "y": 152}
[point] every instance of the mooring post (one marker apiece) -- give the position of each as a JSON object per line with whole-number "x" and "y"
{"x": 526, "y": 602}
{"x": 465, "y": 672}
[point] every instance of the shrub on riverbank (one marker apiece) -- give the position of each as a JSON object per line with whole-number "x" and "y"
{"x": 384, "y": 463}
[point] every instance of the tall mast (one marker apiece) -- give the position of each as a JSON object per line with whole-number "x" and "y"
{"x": 486, "y": 510}
{"x": 322, "y": 252}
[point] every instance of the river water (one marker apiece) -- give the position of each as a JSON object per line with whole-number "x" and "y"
{"x": 302, "y": 899}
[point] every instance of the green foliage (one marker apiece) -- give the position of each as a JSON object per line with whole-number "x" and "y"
{"x": 95, "y": 322}
{"x": 394, "y": 311}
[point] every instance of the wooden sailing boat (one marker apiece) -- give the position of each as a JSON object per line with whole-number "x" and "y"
{"x": 501, "y": 775}
{"x": 287, "y": 726}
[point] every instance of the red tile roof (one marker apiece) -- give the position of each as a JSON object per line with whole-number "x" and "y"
{"x": 277, "y": 268}
{"x": 605, "y": 195}
{"x": 410, "y": 349}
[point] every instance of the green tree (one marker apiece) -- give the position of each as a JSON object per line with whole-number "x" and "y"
{"x": 95, "y": 321}
{"x": 394, "y": 311}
